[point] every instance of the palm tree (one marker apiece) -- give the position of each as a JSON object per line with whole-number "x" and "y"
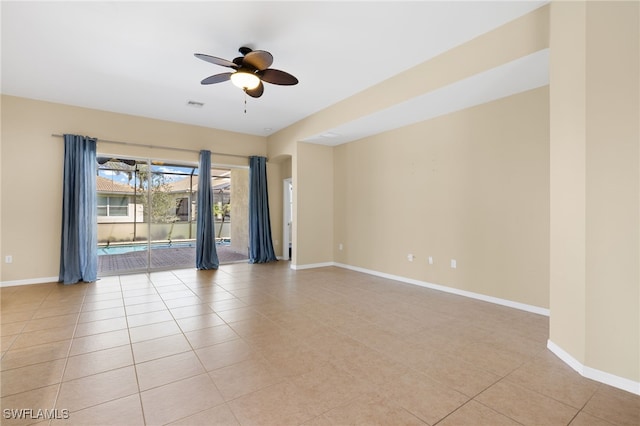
{"x": 221, "y": 211}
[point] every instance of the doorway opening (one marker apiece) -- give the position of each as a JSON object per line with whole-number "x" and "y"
{"x": 147, "y": 212}
{"x": 287, "y": 224}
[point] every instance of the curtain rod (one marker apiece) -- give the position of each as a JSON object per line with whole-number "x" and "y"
{"x": 159, "y": 147}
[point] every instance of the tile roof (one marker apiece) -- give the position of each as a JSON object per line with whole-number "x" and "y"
{"x": 182, "y": 185}
{"x": 107, "y": 185}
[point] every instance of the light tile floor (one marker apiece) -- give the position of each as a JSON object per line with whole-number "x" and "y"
{"x": 265, "y": 345}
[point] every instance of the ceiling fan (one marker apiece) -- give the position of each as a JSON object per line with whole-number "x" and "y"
{"x": 250, "y": 70}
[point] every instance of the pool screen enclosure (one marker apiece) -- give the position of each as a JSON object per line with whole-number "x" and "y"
{"x": 147, "y": 213}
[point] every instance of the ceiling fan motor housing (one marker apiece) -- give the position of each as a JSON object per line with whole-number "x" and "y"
{"x": 254, "y": 62}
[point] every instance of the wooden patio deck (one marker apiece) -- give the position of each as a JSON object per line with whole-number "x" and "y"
{"x": 161, "y": 258}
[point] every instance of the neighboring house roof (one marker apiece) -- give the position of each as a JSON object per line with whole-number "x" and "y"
{"x": 108, "y": 185}
{"x": 182, "y": 185}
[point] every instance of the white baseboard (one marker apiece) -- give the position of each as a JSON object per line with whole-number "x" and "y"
{"x": 43, "y": 280}
{"x": 495, "y": 300}
{"x": 490, "y": 299}
{"x": 311, "y": 266}
{"x": 592, "y": 373}
{"x": 588, "y": 372}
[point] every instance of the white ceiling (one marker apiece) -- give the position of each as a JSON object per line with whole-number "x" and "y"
{"x": 137, "y": 57}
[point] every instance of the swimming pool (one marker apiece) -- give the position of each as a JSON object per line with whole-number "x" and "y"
{"x": 129, "y": 248}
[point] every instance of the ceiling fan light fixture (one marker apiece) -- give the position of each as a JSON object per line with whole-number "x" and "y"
{"x": 245, "y": 80}
{"x": 250, "y": 71}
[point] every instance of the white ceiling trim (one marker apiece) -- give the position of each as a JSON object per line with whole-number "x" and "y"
{"x": 520, "y": 75}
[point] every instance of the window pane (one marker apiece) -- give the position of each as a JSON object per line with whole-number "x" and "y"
{"x": 118, "y": 211}
{"x": 118, "y": 201}
{"x": 182, "y": 209}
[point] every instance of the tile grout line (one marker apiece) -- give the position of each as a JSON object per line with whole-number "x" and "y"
{"x": 133, "y": 359}
{"x": 66, "y": 360}
{"x": 304, "y": 291}
{"x": 224, "y": 402}
{"x": 20, "y": 334}
{"x": 202, "y": 364}
{"x": 28, "y": 321}
{"x": 184, "y": 336}
{"x": 506, "y": 378}
{"x": 586, "y": 403}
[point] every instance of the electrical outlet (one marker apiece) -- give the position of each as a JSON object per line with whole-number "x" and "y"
{"x": 410, "y": 257}
{"x": 340, "y": 247}
{"x": 8, "y": 259}
{"x": 430, "y": 260}
{"x": 454, "y": 264}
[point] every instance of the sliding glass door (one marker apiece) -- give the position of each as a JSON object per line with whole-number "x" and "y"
{"x": 147, "y": 215}
{"x": 122, "y": 229}
{"x": 172, "y": 206}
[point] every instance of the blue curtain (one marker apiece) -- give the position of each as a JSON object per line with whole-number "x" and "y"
{"x": 206, "y": 255}
{"x": 78, "y": 247}
{"x": 260, "y": 244}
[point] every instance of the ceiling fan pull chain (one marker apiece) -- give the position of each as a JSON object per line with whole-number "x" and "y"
{"x": 245, "y": 101}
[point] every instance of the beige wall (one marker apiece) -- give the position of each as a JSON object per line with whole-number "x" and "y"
{"x": 274, "y": 188}
{"x": 595, "y": 185}
{"x": 313, "y": 211}
{"x": 281, "y": 170}
{"x": 521, "y": 37}
{"x": 32, "y": 169}
{"x": 516, "y": 39}
{"x": 471, "y": 186}
{"x": 613, "y": 188}
{"x": 567, "y": 166}
{"x": 550, "y": 221}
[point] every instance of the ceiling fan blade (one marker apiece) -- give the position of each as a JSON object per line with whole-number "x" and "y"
{"x": 274, "y": 76}
{"x": 215, "y": 60}
{"x": 257, "y": 92}
{"x": 217, "y": 78}
{"x": 258, "y": 59}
